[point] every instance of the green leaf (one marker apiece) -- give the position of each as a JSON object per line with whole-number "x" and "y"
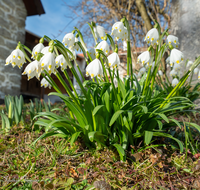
{"x": 74, "y": 137}
{"x": 111, "y": 42}
{"x": 115, "y": 116}
{"x": 164, "y": 117}
{"x": 148, "y": 137}
{"x": 120, "y": 150}
{"x": 97, "y": 108}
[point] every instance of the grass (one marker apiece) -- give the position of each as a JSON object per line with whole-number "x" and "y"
{"x": 53, "y": 164}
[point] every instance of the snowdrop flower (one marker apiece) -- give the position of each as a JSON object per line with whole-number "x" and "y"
{"x": 60, "y": 61}
{"x": 37, "y": 49}
{"x": 113, "y": 60}
{"x": 48, "y": 63}
{"x": 175, "y": 81}
{"x": 99, "y": 32}
{"x": 103, "y": 45}
{"x": 76, "y": 46}
{"x": 119, "y": 31}
{"x": 92, "y": 53}
{"x": 152, "y": 37}
{"x": 177, "y": 67}
{"x": 33, "y": 69}
{"x": 173, "y": 40}
{"x": 69, "y": 39}
{"x": 173, "y": 73}
{"x": 94, "y": 69}
{"x": 144, "y": 58}
{"x": 16, "y": 58}
{"x": 142, "y": 70}
{"x": 45, "y": 83}
{"x": 176, "y": 56}
{"x": 196, "y": 70}
{"x": 160, "y": 73}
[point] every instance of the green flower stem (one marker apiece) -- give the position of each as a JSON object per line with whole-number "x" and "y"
{"x": 26, "y": 48}
{"x": 118, "y": 80}
{"x": 129, "y": 61}
{"x": 104, "y": 71}
{"x": 153, "y": 77}
{"x": 191, "y": 77}
{"x": 167, "y": 78}
{"x": 79, "y": 69}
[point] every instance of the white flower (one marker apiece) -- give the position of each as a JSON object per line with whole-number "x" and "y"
{"x": 33, "y": 69}
{"x": 144, "y": 58}
{"x": 113, "y": 60}
{"x": 92, "y": 53}
{"x": 196, "y": 70}
{"x": 94, "y": 69}
{"x": 176, "y": 56}
{"x": 173, "y": 40}
{"x": 73, "y": 52}
{"x": 168, "y": 60}
{"x": 99, "y": 32}
{"x": 152, "y": 37}
{"x": 60, "y": 61}
{"x": 76, "y": 46}
{"x": 139, "y": 75}
{"x": 142, "y": 71}
{"x": 16, "y": 58}
{"x": 175, "y": 81}
{"x": 199, "y": 75}
{"x": 103, "y": 45}
{"x": 177, "y": 67}
{"x": 69, "y": 40}
{"x": 48, "y": 63}
{"x": 119, "y": 31}
{"x": 189, "y": 63}
{"x": 160, "y": 73}
{"x": 37, "y": 49}
{"x": 173, "y": 73}
{"x": 45, "y": 83}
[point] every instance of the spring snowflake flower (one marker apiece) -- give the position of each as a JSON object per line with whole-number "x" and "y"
{"x": 37, "y": 49}
{"x": 45, "y": 50}
{"x": 144, "y": 58}
{"x": 173, "y": 40}
{"x": 76, "y": 46}
{"x": 69, "y": 40}
{"x": 33, "y": 69}
{"x": 142, "y": 70}
{"x": 160, "y": 73}
{"x": 92, "y": 53}
{"x": 152, "y": 37}
{"x": 94, "y": 69}
{"x": 119, "y": 31}
{"x": 199, "y": 75}
{"x": 176, "y": 56}
{"x": 189, "y": 63}
{"x": 177, "y": 67}
{"x": 45, "y": 83}
{"x": 16, "y": 58}
{"x": 175, "y": 81}
{"x": 99, "y": 32}
{"x": 48, "y": 63}
{"x": 173, "y": 73}
{"x": 196, "y": 70}
{"x": 60, "y": 61}
{"x": 103, "y": 45}
{"x": 73, "y": 52}
{"x": 113, "y": 60}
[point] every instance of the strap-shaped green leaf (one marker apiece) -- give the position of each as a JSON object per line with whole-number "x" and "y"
{"x": 115, "y": 116}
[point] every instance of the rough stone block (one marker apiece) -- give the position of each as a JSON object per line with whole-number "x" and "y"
{"x": 5, "y": 33}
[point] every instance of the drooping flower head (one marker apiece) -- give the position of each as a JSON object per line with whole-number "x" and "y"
{"x": 103, "y": 45}
{"x": 92, "y": 53}
{"x": 152, "y": 37}
{"x": 60, "y": 61}
{"x": 173, "y": 73}
{"x": 119, "y": 31}
{"x": 176, "y": 56}
{"x": 69, "y": 40}
{"x": 99, "y": 32}
{"x": 172, "y": 40}
{"x": 113, "y": 60}
{"x": 144, "y": 58}
{"x": 76, "y": 46}
{"x": 33, "y": 69}
{"x": 37, "y": 49}
{"x": 175, "y": 81}
{"x": 94, "y": 69}
{"x": 196, "y": 70}
{"x": 16, "y": 58}
{"x": 45, "y": 83}
{"x": 160, "y": 73}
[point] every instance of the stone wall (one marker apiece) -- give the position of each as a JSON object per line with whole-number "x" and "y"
{"x": 12, "y": 30}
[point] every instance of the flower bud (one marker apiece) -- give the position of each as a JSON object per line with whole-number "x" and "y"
{"x": 51, "y": 43}
{"x": 93, "y": 24}
{"x": 97, "y": 56}
{"x": 41, "y": 40}
{"x": 77, "y": 35}
{"x": 51, "y": 48}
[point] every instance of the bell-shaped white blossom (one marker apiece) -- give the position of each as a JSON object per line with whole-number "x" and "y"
{"x": 76, "y": 46}
{"x": 199, "y": 75}
{"x": 119, "y": 31}
{"x": 196, "y": 70}
{"x": 160, "y": 73}
{"x": 94, "y": 69}
{"x": 173, "y": 40}
{"x": 48, "y": 63}
{"x": 168, "y": 60}
{"x": 144, "y": 58}
{"x": 69, "y": 40}
{"x": 103, "y": 45}
{"x": 16, "y": 58}
{"x": 175, "y": 81}
{"x": 142, "y": 70}
{"x": 45, "y": 83}
{"x": 189, "y": 63}
{"x": 37, "y": 49}
{"x": 139, "y": 75}
{"x": 99, "y": 32}
{"x": 177, "y": 67}
{"x": 92, "y": 53}
{"x": 173, "y": 73}
{"x": 152, "y": 37}
{"x": 113, "y": 60}
{"x": 33, "y": 69}
{"x": 60, "y": 61}
{"x": 176, "y": 56}
{"x": 73, "y": 52}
